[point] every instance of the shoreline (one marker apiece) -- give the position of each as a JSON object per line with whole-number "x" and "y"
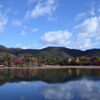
{"x": 54, "y": 67}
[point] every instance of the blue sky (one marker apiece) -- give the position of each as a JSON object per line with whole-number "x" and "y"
{"x": 40, "y": 23}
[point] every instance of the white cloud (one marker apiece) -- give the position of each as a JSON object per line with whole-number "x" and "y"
{"x": 23, "y": 46}
{"x": 79, "y": 16}
{"x": 3, "y": 21}
{"x": 88, "y": 35}
{"x": 52, "y": 18}
{"x": 88, "y": 31}
{"x": 42, "y": 9}
{"x": 82, "y": 42}
{"x": 89, "y": 25}
{"x": 35, "y": 29}
{"x": 56, "y": 38}
{"x": 16, "y": 23}
{"x": 23, "y": 33}
{"x": 92, "y": 11}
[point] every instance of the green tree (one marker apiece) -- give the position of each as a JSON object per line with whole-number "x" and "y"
{"x": 8, "y": 59}
{"x": 83, "y": 58}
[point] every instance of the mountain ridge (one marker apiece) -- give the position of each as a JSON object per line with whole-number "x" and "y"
{"x": 51, "y": 52}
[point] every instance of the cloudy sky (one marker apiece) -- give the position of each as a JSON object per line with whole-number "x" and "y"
{"x": 41, "y": 23}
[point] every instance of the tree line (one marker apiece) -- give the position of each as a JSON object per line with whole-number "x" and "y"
{"x": 10, "y": 60}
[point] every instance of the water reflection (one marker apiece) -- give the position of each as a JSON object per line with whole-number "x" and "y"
{"x": 50, "y": 84}
{"x": 74, "y": 90}
{"x": 49, "y": 75}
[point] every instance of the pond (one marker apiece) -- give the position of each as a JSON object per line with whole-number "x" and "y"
{"x": 49, "y": 84}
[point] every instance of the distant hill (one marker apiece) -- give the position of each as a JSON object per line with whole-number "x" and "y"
{"x": 51, "y": 52}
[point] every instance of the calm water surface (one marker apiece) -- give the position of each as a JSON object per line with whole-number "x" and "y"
{"x": 50, "y": 84}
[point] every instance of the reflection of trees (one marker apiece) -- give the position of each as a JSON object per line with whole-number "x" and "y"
{"x": 47, "y": 75}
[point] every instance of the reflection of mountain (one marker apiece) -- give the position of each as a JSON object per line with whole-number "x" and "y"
{"x": 52, "y": 51}
{"x": 49, "y": 75}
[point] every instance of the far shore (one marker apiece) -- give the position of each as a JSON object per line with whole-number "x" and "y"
{"x": 53, "y": 67}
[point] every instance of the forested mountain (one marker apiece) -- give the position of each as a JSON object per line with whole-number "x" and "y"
{"x": 51, "y": 52}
